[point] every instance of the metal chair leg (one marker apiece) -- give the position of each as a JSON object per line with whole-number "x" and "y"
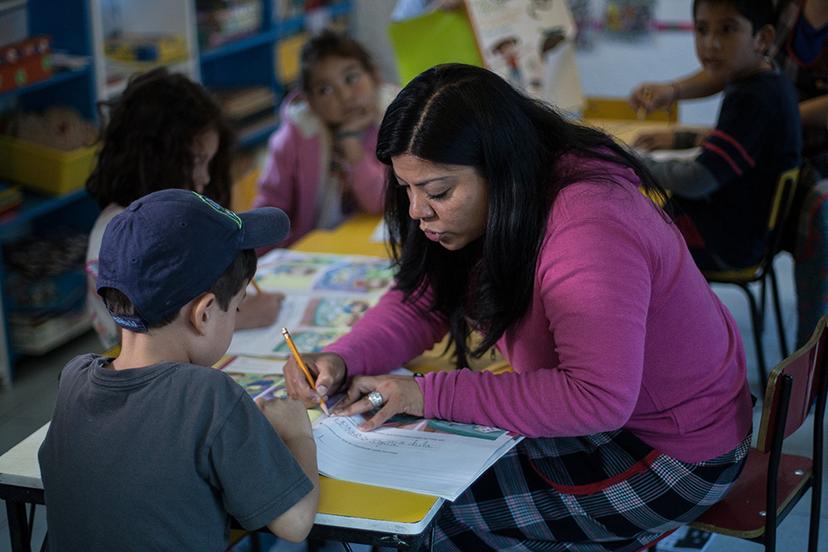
{"x": 756, "y": 322}
{"x": 780, "y": 327}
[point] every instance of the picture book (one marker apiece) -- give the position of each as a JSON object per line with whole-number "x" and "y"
{"x": 325, "y": 295}
{"x": 530, "y": 43}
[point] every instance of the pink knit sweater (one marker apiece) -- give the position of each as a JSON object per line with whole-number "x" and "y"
{"x": 622, "y": 331}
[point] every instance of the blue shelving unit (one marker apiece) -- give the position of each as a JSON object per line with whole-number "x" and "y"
{"x": 251, "y": 61}
{"x": 69, "y": 24}
{"x": 248, "y": 61}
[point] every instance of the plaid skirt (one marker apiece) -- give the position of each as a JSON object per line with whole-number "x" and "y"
{"x": 608, "y": 491}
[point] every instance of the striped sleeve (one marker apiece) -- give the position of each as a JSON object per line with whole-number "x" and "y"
{"x": 732, "y": 148}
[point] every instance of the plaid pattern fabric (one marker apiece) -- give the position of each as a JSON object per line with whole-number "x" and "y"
{"x": 608, "y": 491}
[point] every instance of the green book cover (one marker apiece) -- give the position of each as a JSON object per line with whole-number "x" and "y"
{"x": 443, "y": 36}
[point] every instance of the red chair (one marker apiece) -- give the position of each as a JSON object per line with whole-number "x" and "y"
{"x": 771, "y": 477}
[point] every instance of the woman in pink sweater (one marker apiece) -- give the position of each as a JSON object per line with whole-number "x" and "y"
{"x": 628, "y": 373}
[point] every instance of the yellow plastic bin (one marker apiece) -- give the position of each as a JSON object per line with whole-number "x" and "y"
{"x": 46, "y": 170}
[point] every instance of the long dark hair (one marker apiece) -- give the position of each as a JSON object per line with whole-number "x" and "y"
{"x": 464, "y": 115}
{"x": 148, "y": 139}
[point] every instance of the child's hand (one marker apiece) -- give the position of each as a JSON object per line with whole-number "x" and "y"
{"x": 651, "y": 96}
{"x": 259, "y": 310}
{"x": 288, "y": 417}
{"x": 654, "y": 140}
{"x": 327, "y": 368}
{"x": 358, "y": 120}
{"x": 348, "y": 148}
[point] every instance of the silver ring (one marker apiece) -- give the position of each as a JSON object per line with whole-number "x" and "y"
{"x": 376, "y": 399}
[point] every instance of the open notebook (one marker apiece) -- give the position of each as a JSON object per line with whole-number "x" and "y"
{"x": 432, "y": 457}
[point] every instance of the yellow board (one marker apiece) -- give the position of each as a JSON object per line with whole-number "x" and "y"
{"x": 619, "y": 108}
{"x": 287, "y": 57}
{"x": 442, "y": 36}
{"x": 353, "y": 237}
{"x": 343, "y": 498}
{"x": 244, "y": 191}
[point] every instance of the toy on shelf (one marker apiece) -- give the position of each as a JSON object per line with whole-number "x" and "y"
{"x": 51, "y": 152}
{"x": 25, "y": 62}
{"x": 629, "y": 18}
{"x": 222, "y": 21}
{"x": 46, "y": 289}
{"x": 151, "y": 48}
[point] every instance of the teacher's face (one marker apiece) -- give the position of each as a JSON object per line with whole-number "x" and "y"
{"x": 449, "y": 201}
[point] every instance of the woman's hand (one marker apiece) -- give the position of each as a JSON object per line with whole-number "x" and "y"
{"x": 259, "y": 310}
{"x": 329, "y": 371}
{"x": 651, "y": 96}
{"x": 402, "y": 395}
{"x": 654, "y": 140}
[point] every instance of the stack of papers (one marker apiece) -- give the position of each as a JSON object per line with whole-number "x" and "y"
{"x": 432, "y": 457}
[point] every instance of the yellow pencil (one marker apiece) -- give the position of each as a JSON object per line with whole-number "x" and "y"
{"x": 295, "y": 352}
{"x": 256, "y": 286}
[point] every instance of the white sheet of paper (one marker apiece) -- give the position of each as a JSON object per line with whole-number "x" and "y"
{"x": 380, "y": 233}
{"x": 680, "y": 155}
{"x": 433, "y": 463}
{"x": 254, "y": 365}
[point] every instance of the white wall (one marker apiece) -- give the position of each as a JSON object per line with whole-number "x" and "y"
{"x": 612, "y": 68}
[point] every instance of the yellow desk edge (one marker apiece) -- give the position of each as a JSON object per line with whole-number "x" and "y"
{"x": 353, "y": 237}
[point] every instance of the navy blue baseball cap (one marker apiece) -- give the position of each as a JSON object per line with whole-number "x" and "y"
{"x": 169, "y": 247}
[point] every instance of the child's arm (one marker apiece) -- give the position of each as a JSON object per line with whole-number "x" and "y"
{"x": 366, "y": 175}
{"x": 814, "y": 112}
{"x": 669, "y": 139}
{"x": 651, "y": 96}
{"x": 685, "y": 178}
{"x": 290, "y": 420}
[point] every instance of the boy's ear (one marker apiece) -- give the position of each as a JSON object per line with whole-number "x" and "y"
{"x": 202, "y": 311}
{"x": 763, "y": 39}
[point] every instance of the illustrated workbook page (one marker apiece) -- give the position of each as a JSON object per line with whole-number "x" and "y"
{"x": 432, "y": 457}
{"x": 324, "y": 296}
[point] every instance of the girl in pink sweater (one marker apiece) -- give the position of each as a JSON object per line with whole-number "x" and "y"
{"x": 321, "y": 165}
{"x": 628, "y": 373}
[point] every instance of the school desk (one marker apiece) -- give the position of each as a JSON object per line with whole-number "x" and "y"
{"x": 347, "y": 511}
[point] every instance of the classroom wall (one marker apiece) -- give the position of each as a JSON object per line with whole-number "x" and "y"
{"x": 613, "y": 67}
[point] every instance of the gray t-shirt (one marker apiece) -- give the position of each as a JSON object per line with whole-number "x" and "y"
{"x": 156, "y": 458}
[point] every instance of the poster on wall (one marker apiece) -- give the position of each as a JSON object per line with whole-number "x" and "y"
{"x": 530, "y": 43}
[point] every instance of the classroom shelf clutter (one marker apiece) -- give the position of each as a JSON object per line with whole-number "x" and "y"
{"x": 59, "y": 61}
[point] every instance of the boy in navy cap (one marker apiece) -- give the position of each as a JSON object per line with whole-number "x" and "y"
{"x": 154, "y": 450}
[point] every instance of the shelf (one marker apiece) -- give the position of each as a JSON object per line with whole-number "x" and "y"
{"x": 56, "y": 78}
{"x": 296, "y": 24}
{"x": 33, "y": 206}
{"x": 11, "y": 5}
{"x": 237, "y": 46}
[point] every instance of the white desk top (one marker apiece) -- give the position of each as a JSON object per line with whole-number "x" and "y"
{"x": 19, "y": 465}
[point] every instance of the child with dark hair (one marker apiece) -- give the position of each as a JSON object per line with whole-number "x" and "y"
{"x": 164, "y": 131}
{"x": 723, "y": 196}
{"x": 162, "y": 448}
{"x": 321, "y": 167}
